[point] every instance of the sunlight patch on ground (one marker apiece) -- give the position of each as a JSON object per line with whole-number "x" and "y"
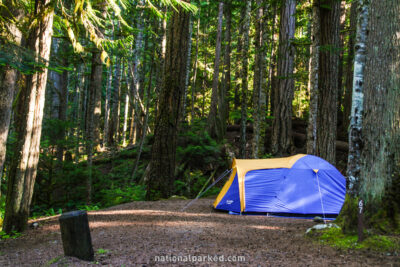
{"x": 267, "y": 227}
{"x": 99, "y": 224}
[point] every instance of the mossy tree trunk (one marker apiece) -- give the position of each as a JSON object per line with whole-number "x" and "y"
{"x": 8, "y": 78}
{"x": 28, "y": 121}
{"x": 374, "y": 137}
{"x": 381, "y": 128}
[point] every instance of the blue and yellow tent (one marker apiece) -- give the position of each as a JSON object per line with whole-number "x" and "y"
{"x": 301, "y": 184}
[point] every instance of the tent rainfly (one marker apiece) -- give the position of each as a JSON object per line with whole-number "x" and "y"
{"x": 301, "y": 184}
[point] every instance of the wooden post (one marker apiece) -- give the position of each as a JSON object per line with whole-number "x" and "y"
{"x": 360, "y": 221}
{"x": 75, "y": 234}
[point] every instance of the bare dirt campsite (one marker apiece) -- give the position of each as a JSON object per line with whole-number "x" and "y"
{"x": 134, "y": 234}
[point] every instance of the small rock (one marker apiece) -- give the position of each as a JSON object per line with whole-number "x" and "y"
{"x": 34, "y": 225}
{"x": 322, "y": 226}
{"x": 318, "y": 219}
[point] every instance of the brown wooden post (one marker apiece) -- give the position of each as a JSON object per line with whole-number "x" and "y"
{"x": 75, "y": 234}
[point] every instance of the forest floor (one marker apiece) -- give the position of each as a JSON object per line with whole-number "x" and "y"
{"x": 134, "y": 234}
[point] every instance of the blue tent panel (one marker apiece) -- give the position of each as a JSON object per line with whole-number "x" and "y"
{"x": 261, "y": 188}
{"x": 231, "y": 200}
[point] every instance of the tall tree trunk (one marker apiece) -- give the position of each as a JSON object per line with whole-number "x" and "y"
{"x": 126, "y": 110}
{"x": 238, "y": 72}
{"x": 94, "y": 104}
{"x": 79, "y": 109}
{"x": 282, "y": 143}
{"x": 107, "y": 107}
{"x": 223, "y": 113}
{"x": 8, "y": 79}
{"x": 137, "y": 54}
{"x": 212, "y": 123}
{"x": 161, "y": 58}
{"x": 271, "y": 74}
{"x": 162, "y": 164}
{"x": 30, "y": 106}
{"x": 114, "y": 120}
{"x": 374, "y": 136}
{"x": 380, "y": 157}
{"x": 146, "y": 119}
{"x": 349, "y": 67}
{"x": 244, "y": 75}
{"x": 93, "y": 111}
{"x": 62, "y": 109}
{"x": 342, "y": 23}
{"x": 273, "y": 62}
{"x": 193, "y": 89}
{"x": 328, "y": 80}
{"x": 313, "y": 79}
{"x": 354, "y": 185}
{"x": 187, "y": 78}
{"x": 259, "y": 81}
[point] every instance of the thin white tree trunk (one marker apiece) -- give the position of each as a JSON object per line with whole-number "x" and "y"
{"x": 126, "y": 111}
{"x": 187, "y": 78}
{"x": 357, "y": 107}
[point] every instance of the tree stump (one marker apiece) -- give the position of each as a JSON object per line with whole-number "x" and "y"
{"x": 75, "y": 234}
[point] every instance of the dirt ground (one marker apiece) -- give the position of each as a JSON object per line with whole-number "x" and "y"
{"x": 139, "y": 233}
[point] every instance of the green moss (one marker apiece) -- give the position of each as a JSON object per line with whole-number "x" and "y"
{"x": 336, "y": 238}
{"x": 53, "y": 261}
{"x": 102, "y": 251}
{"x": 348, "y": 217}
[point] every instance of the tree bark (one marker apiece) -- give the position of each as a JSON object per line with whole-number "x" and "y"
{"x": 93, "y": 111}
{"x": 238, "y": 72}
{"x": 126, "y": 110}
{"x": 135, "y": 77}
{"x": 282, "y": 143}
{"x": 63, "y": 105}
{"x": 107, "y": 107}
{"x": 224, "y": 98}
{"x": 114, "y": 120}
{"x": 259, "y": 81}
{"x": 349, "y": 67}
{"x": 29, "y": 117}
{"x": 146, "y": 119}
{"x": 313, "y": 79}
{"x": 328, "y": 80}
{"x": 212, "y": 123}
{"x": 196, "y": 59}
{"x": 162, "y": 164}
{"x": 380, "y": 125}
{"x": 8, "y": 79}
{"x": 187, "y": 77}
{"x": 374, "y": 126}
{"x": 244, "y": 76}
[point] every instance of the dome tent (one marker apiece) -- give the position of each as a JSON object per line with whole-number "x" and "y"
{"x": 300, "y": 184}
